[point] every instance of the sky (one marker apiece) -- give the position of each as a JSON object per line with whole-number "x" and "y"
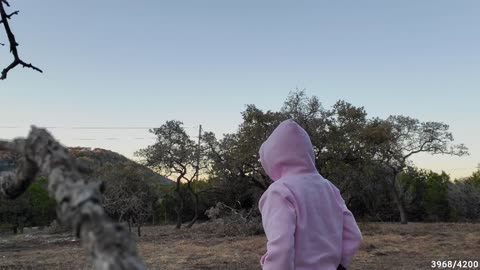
{"x": 117, "y": 63}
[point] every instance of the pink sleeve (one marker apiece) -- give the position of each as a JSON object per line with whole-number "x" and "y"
{"x": 279, "y": 221}
{"x": 352, "y": 237}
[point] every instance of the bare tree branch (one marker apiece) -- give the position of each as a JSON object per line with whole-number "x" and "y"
{"x": 79, "y": 202}
{"x": 13, "y": 43}
{"x": 10, "y": 16}
{"x": 419, "y": 150}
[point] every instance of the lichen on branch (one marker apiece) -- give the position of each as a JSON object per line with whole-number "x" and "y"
{"x": 79, "y": 202}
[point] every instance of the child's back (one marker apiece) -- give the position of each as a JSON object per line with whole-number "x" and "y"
{"x": 304, "y": 216}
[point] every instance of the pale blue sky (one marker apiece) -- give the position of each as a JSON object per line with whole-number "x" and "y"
{"x": 140, "y": 63}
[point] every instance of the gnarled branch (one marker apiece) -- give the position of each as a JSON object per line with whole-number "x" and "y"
{"x": 79, "y": 202}
{"x": 10, "y": 16}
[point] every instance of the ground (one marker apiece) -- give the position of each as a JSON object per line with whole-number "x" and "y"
{"x": 385, "y": 246}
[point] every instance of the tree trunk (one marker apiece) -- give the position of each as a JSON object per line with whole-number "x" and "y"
{"x": 398, "y": 200}
{"x": 139, "y": 225}
{"x": 179, "y": 208}
{"x": 21, "y": 225}
{"x": 153, "y": 216}
{"x": 195, "y": 201}
{"x": 179, "y": 219}
{"x": 130, "y": 224}
{"x": 165, "y": 216}
{"x": 180, "y": 200}
{"x": 120, "y": 218}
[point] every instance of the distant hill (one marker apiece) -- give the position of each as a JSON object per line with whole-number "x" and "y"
{"x": 96, "y": 158}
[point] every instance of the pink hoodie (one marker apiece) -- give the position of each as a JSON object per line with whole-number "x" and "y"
{"x": 307, "y": 223}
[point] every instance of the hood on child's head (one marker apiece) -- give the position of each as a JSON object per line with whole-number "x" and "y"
{"x": 287, "y": 151}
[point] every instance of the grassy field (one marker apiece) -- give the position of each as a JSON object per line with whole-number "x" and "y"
{"x": 385, "y": 246}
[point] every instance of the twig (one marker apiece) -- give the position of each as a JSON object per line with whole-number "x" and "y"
{"x": 13, "y": 43}
{"x": 79, "y": 202}
{"x": 10, "y": 16}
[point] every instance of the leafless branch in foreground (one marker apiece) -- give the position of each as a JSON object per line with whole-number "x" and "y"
{"x": 13, "y": 43}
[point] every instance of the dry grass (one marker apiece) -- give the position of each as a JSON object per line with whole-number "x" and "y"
{"x": 385, "y": 246}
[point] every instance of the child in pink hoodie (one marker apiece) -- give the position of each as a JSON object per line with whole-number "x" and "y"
{"x": 306, "y": 221}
